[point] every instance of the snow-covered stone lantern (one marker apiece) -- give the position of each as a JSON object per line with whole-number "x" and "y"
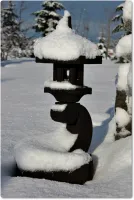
{"x": 64, "y": 157}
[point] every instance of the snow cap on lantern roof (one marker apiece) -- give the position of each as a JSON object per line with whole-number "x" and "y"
{"x": 63, "y": 44}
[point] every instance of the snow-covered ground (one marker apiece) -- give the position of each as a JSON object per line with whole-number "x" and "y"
{"x": 26, "y": 112}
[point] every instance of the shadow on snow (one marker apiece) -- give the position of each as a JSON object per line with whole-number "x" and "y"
{"x": 99, "y": 134}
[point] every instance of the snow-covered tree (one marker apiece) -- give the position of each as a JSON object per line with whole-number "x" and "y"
{"x": 101, "y": 44}
{"x": 28, "y": 52}
{"x": 14, "y": 43}
{"x": 106, "y": 54}
{"x": 122, "y": 26}
{"x": 9, "y": 30}
{"x": 118, "y": 18}
{"x": 123, "y": 104}
{"x": 47, "y": 18}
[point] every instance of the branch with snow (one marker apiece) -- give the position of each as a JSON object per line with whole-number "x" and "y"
{"x": 120, "y": 7}
{"x": 119, "y": 27}
{"x": 117, "y": 17}
{"x": 127, "y": 10}
{"x": 124, "y": 46}
{"x": 122, "y": 84}
{"x": 122, "y": 118}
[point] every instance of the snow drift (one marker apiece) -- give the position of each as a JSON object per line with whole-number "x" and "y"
{"x": 114, "y": 156}
{"x": 122, "y": 117}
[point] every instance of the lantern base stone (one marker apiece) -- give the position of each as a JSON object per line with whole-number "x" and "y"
{"x": 78, "y": 176}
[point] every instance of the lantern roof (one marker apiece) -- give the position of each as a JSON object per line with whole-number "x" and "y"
{"x": 63, "y": 44}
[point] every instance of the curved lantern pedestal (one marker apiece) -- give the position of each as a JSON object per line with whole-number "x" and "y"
{"x": 75, "y": 116}
{"x": 78, "y": 121}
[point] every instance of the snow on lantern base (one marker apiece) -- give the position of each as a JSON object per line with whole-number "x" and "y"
{"x": 78, "y": 176}
{"x": 62, "y": 155}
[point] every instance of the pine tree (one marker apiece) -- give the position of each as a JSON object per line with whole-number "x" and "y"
{"x": 10, "y": 30}
{"x": 121, "y": 27}
{"x": 47, "y": 18}
{"x": 118, "y": 18}
{"x": 14, "y": 42}
{"x": 101, "y": 45}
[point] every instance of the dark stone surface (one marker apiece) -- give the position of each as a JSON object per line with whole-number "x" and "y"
{"x": 78, "y": 121}
{"x": 68, "y": 96}
{"x": 72, "y": 73}
{"x": 80, "y": 60}
{"x": 84, "y": 128}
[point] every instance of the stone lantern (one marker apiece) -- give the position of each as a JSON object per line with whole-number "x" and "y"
{"x": 68, "y": 88}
